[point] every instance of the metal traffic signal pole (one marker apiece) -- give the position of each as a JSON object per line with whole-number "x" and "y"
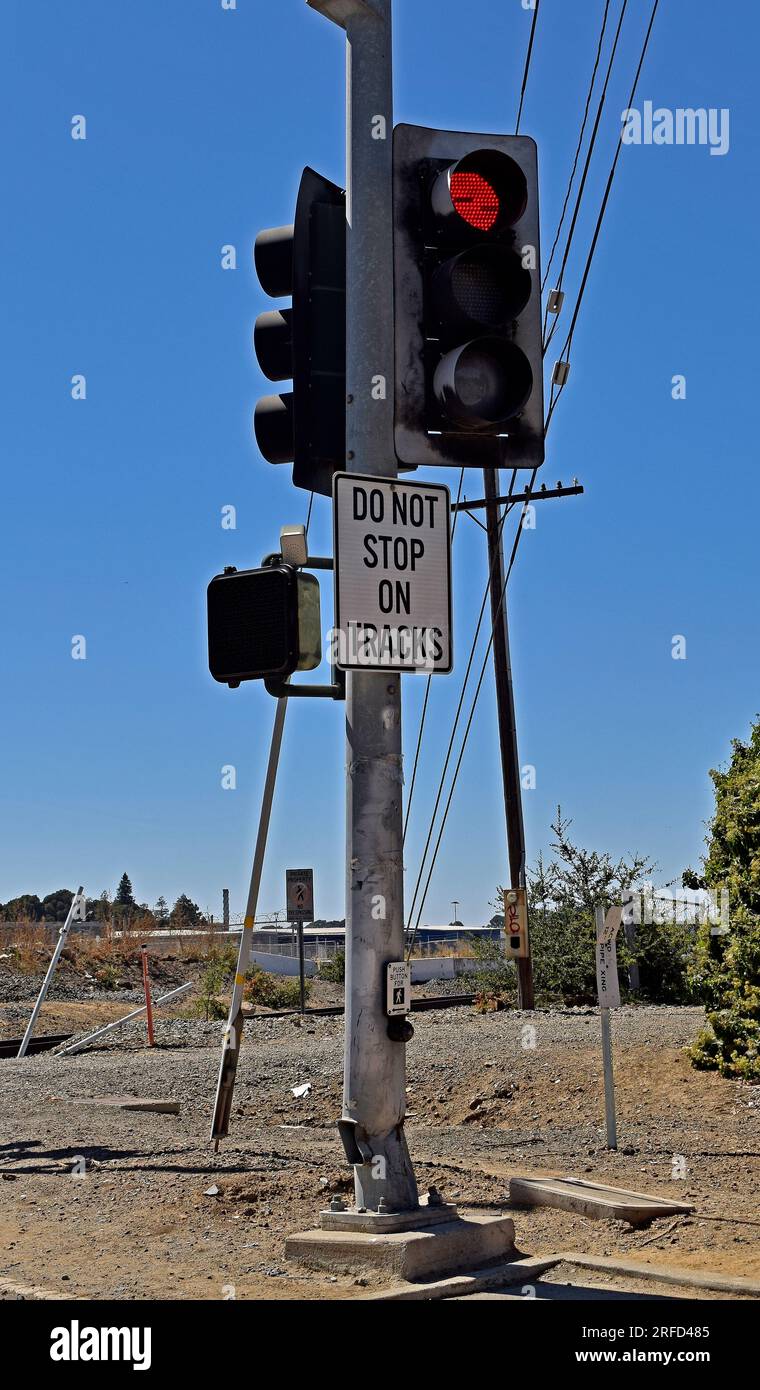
{"x": 505, "y": 707}
{"x": 374, "y": 1096}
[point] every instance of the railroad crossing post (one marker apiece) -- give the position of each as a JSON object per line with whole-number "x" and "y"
{"x": 374, "y": 1090}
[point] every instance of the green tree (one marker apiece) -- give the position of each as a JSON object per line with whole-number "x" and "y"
{"x": 56, "y": 905}
{"x": 124, "y": 895}
{"x": 99, "y": 909}
{"x": 727, "y": 967}
{"x": 26, "y": 908}
{"x": 161, "y": 910}
{"x": 185, "y": 913}
{"x": 562, "y": 895}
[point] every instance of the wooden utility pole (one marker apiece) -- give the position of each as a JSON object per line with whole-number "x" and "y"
{"x": 505, "y": 706}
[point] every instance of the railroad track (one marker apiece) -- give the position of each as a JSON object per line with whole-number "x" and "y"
{"x": 10, "y": 1046}
{"x": 436, "y": 1001}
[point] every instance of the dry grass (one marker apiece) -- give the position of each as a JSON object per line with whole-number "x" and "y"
{"x": 27, "y": 945}
{"x": 115, "y": 949}
{"x": 444, "y": 950}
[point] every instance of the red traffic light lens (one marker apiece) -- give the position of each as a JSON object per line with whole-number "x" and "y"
{"x": 475, "y": 199}
{"x": 484, "y": 192}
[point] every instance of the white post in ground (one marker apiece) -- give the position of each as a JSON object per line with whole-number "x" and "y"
{"x": 374, "y": 1090}
{"x": 609, "y": 997}
{"x": 76, "y": 912}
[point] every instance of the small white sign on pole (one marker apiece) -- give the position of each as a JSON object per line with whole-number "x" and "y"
{"x": 398, "y": 988}
{"x": 392, "y": 575}
{"x": 607, "y": 983}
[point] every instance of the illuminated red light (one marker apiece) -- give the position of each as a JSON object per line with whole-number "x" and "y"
{"x": 475, "y": 199}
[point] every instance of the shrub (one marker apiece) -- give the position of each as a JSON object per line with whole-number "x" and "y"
{"x": 208, "y": 1005}
{"x": 334, "y": 969}
{"x": 107, "y": 976}
{"x": 495, "y": 976}
{"x": 273, "y": 991}
{"x": 562, "y": 895}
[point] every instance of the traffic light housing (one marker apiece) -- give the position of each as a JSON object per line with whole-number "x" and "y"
{"x": 467, "y": 284}
{"x": 263, "y": 624}
{"x": 306, "y": 342}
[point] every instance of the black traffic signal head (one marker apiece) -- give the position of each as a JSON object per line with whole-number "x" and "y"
{"x": 262, "y": 623}
{"x": 469, "y": 384}
{"x": 307, "y": 342}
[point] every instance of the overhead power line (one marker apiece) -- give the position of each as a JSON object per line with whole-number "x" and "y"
{"x": 460, "y": 705}
{"x": 565, "y": 354}
{"x": 468, "y": 726}
{"x": 587, "y": 163}
{"x": 578, "y": 146}
{"x": 526, "y": 69}
{"x": 427, "y": 690}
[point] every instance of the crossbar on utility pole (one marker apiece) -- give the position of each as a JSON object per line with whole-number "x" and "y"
{"x": 374, "y": 1089}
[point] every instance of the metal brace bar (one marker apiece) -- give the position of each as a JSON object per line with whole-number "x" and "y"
{"x": 314, "y": 562}
{"x": 336, "y": 691}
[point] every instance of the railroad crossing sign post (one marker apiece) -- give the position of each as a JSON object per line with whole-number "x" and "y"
{"x": 299, "y": 896}
{"x": 374, "y": 1088}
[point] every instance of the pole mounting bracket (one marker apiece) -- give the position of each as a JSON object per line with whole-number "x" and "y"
{"x": 339, "y": 11}
{"x": 336, "y": 691}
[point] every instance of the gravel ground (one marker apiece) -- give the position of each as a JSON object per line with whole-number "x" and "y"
{"x": 489, "y": 1096}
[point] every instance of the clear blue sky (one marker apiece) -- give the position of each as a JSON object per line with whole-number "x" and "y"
{"x": 199, "y": 121}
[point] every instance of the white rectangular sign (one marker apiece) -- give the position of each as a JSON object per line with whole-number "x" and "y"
{"x": 398, "y": 988}
{"x": 607, "y": 983}
{"x": 392, "y": 575}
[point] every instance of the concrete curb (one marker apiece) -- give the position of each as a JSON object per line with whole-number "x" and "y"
{"x": 664, "y": 1274}
{"x": 459, "y": 1286}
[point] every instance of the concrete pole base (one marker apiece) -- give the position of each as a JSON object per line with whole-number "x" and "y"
{"x": 446, "y": 1247}
{"x": 377, "y": 1223}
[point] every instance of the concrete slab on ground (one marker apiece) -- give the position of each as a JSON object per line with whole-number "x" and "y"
{"x": 161, "y": 1107}
{"x": 666, "y": 1274}
{"x": 594, "y": 1199}
{"x": 418, "y": 1254}
{"x": 498, "y": 1276}
{"x": 634, "y": 1279}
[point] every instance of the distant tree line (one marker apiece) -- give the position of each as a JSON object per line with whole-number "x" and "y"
{"x": 120, "y": 909}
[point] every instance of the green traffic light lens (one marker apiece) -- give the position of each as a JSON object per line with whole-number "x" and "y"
{"x": 483, "y": 384}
